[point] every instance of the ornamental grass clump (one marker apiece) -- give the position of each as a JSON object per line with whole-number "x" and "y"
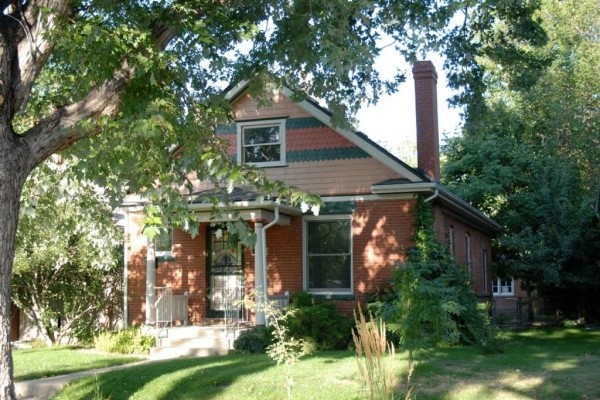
{"x": 374, "y": 355}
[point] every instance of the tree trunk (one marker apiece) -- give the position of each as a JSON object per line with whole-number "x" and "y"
{"x": 14, "y": 160}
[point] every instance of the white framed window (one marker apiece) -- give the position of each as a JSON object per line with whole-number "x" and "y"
{"x": 328, "y": 254}
{"x": 163, "y": 243}
{"x": 503, "y": 287}
{"x": 261, "y": 142}
{"x": 468, "y": 254}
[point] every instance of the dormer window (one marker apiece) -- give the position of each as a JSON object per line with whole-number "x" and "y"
{"x": 262, "y": 142}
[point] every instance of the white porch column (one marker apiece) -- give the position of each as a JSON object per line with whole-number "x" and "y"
{"x": 150, "y": 282}
{"x": 259, "y": 277}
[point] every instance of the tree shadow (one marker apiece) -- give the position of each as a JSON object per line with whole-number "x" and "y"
{"x": 550, "y": 363}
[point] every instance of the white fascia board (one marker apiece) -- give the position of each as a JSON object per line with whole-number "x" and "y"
{"x": 404, "y": 188}
{"x": 354, "y": 138}
{"x": 251, "y": 206}
{"x": 236, "y": 90}
{"x": 366, "y": 197}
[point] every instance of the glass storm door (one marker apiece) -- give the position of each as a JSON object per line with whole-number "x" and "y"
{"x": 224, "y": 274}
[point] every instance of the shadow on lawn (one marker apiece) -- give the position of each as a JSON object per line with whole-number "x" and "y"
{"x": 548, "y": 364}
{"x": 184, "y": 378}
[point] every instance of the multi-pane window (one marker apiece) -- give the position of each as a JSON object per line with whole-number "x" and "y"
{"x": 503, "y": 287}
{"x": 328, "y": 255}
{"x": 262, "y": 142}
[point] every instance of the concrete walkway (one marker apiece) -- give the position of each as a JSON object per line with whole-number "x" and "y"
{"x": 42, "y": 389}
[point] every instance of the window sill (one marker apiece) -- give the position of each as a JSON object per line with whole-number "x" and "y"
{"x": 268, "y": 165}
{"x": 503, "y": 295}
{"x": 334, "y": 296}
{"x": 165, "y": 258}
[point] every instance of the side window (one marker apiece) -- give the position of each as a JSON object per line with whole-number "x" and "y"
{"x": 484, "y": 267}
{"x": 503, "y": 287}
{"x": 328, "y": 254}
{"x": 451, "y": 246}
{"x": 163, "y": 243}
{"x": 468, "y": 254}
{"x": 262, "y": 142}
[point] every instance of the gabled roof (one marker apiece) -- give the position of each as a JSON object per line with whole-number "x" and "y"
{"x": 414, "y": 182}
{"x": 356, "y": 137}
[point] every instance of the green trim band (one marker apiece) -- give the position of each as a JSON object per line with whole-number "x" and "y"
{"x": 342, "y": 153}
{"x": 290, "y": 124}
{"x": 338, "y": 207}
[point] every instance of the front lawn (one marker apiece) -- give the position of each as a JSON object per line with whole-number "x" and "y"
{"x": 43, "y": 362}
{"x": 537, "y": 364}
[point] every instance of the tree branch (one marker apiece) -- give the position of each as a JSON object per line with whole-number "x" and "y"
{"x": 55, "y": 132}
{"x": 35, "y": 44}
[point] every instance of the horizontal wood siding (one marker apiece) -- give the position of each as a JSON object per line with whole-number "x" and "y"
{"x": 245, "y": 107}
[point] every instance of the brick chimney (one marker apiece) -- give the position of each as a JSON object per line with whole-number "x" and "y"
{"x": 428, "y": 142}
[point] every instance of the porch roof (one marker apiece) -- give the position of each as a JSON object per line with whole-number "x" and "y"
{"x": 247, "y": 204}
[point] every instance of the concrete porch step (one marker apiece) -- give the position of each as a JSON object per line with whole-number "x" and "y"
{"x": 193, "y": 341}
{"x": 163, "y": 353}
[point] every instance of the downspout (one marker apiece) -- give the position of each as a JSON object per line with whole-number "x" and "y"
{"x": 264, "y": 249}
{"x": 433, "y": 196}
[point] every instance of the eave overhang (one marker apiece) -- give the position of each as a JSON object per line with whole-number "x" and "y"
{"x": 448, "y": 199}
{"x": 248, "y": 210}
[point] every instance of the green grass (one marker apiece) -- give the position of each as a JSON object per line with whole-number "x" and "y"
{"x": 537, "y": 364}
{"x": 43, "y": 362}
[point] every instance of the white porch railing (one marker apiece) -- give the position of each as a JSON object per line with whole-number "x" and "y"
{"x": 234, "y": 312}
{"x": 170, "y": 307}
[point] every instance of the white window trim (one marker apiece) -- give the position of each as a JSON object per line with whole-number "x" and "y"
{"x": 305, "y": 221}
{"x": 257, "y": 124}
{"x": 164, "y": 253}
{"x": 498, "y": 285}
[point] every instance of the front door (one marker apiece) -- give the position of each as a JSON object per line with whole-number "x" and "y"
{"x": 224, "y": 274}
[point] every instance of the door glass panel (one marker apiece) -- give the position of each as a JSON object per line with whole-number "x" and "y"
{"x": 225, "y": 275}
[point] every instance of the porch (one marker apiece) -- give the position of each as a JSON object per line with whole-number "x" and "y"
{"x": 215, "y": 336}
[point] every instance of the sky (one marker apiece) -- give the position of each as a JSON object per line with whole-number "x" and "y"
{"x": 391, "y": 122}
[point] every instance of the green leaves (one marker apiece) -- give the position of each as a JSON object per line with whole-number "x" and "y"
{"x": 529, "y": 157}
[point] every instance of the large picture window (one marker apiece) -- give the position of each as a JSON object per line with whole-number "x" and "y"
{"x": 262, "y": 142}
{"x": 328, "y": 254}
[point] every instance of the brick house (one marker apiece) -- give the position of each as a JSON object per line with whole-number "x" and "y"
{"x": 346, "y": 251}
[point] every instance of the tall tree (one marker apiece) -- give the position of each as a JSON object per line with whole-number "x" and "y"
{"x": 124, "y": 83}
{"x": 529, "y": 157}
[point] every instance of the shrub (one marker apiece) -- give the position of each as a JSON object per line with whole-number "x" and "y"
{"x": 302, "y": 299}
{"x": 126, "y": 341}
{"x": 318, "y": 322}
{"x": 253, "y": 340}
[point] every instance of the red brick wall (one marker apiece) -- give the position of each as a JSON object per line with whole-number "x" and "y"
{"x": 382, "y": 232}
{"x": 428, "y": 144}
{"x": 481, "y": 281}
